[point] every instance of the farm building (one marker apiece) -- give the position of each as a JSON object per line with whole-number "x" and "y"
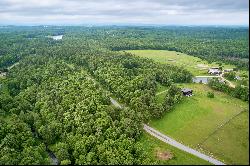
{"x": 214, "y": 71}
{"x": 187, "y": 92}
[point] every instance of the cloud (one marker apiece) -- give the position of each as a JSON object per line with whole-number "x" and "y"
{"x": 124, "y": 11}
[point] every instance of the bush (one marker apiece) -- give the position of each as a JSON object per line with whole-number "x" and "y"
{"x": 210, "y": 94}
{"x": 240, "y": 92}
{"x": 230, "y": 76}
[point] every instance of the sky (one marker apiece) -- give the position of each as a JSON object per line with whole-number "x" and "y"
{"x": 116, "y": 12}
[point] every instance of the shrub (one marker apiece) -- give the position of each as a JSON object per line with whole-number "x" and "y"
{"x": 230, "y": 75}
{"x": 210, "y": 94}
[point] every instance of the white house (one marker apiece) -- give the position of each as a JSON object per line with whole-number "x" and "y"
{"x": 214, "y": 71}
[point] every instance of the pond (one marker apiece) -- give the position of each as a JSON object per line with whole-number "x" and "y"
{"x": 58, "y": 37}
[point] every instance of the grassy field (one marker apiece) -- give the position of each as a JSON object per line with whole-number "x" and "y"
{"x": 195, "y": 120}
{"x": 222, "y": 146}
{"x": 160, "y": 93}
{"x": 153, "y": 145}
{"x": 193, "y": 64}
{"x": 217, "y": 126}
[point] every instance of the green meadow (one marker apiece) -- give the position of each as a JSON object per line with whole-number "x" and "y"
{"x": 230, "y": 145}
{"x": 217, "y": 126}
{"x": 179, "y": 157}
{"x": 193, "y": 64}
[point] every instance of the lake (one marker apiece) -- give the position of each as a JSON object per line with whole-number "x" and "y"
{"x": 58, "y": 37}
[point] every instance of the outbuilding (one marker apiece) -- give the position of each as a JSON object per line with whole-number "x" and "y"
{"x": 214, "y": 71}
{"x": 187, "y": 92}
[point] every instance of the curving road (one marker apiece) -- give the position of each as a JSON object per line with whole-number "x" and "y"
{"x": 178, "y": 145}
{"x": 171, "y": 141}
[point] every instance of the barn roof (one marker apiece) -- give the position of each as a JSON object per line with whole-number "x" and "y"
{"x": 185, "y": 90}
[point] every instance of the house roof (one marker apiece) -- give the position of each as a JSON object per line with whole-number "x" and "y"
{"x": 185, "y": 90}
{"x": 214, "y": 70}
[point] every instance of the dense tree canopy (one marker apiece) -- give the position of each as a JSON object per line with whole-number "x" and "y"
{"x": 56, "y": 99}
{"x": 227, "y": 44}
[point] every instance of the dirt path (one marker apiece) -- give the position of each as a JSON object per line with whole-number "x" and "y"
{"x": 178, "y": 145}
{"x": 160, "y": 92}
{"x": 229, "y": 82}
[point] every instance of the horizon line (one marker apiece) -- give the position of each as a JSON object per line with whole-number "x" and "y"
{"x": 129, "y": 24}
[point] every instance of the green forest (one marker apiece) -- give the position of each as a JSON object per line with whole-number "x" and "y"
{"x": 55, "y": 97}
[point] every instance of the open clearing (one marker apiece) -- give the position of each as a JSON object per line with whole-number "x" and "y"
{"x": 193, "y": 64}
{"x": 162, "y": 152}
{"x": 231, "y": 149}
{"x": 179, "y": 145}
{"x": 195, "y": 120}
{"x": 217, "y": 126}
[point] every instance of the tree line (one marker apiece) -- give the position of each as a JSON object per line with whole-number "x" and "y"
{"x": 240, "y": 91}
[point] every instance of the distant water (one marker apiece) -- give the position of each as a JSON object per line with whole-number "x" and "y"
{"x": 58, "y": 37}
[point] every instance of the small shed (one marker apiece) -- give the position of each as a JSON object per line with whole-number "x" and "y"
{"x": 187, "y": 92}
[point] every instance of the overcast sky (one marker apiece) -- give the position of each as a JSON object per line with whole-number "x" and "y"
{"x": 167, "y": 12}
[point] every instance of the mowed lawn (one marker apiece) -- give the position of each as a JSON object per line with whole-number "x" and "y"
{"x": 195, "y": 65}
{"x": 195, "y": 120}
{"x": 152, "y": 145}
{"x": 236, "y": 149}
